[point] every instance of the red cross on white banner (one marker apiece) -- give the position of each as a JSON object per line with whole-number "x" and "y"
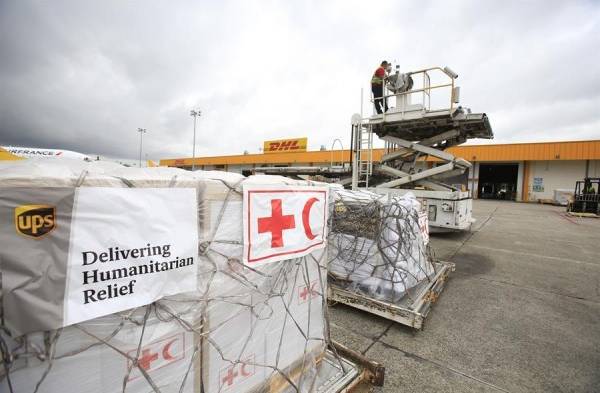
{"x": 283, "y": 222}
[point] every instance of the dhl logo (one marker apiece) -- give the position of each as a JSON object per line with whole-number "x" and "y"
{"x": 34, "y": 220}
{"x": 285, "y": 145}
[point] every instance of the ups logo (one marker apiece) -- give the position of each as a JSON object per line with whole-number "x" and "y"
{"x": 34, "y": 220}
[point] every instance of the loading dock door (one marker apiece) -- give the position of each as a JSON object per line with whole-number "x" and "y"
{"x": 498, "y": 181}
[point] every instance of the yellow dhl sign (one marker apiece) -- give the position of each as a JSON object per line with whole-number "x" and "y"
{"x": 286, "y": 145}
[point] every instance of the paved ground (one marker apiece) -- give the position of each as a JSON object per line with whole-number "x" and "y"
{"x": 520, "y": 314}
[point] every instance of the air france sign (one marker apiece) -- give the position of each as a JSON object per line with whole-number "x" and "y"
{"x": 283, "y": 222}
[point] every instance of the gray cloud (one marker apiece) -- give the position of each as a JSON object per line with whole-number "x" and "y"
{"x": 84, "y": 75}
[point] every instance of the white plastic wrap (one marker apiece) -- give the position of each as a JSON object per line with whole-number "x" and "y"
{"x": 376, "y": 246}
{"x": 242, "y": 330}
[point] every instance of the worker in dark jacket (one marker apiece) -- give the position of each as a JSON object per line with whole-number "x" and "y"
{"x": 377, "y": 82}
{"x": 588, "y": 188}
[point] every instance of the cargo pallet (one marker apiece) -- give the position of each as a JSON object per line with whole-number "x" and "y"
{"x": 582, "y": 215}
{"x": 346, "y": 369}
{"x": 410, "y": 312}
{"x": 367, "y": 372}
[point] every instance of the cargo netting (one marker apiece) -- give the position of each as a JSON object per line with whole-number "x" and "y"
{"x": 377, "y": 247}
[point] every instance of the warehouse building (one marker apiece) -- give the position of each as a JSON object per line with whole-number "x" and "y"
{"x": 516, "y": 171}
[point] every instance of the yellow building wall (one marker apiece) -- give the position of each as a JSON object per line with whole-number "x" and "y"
{"x": 543, "y": 151}
{"x": 575, "y": 150}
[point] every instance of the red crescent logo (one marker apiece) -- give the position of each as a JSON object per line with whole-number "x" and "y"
{"x": 243, "y": 370}
{"x": 165, "y": 352}
{"x": 306, "y": 218}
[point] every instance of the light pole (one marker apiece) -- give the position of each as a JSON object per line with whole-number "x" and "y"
{"x": 195, "y": 113}
{"x": 142, "y": 131}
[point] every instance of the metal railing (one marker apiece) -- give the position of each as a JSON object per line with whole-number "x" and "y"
{"x": 362, "y": 145}
{"x": 426, "y": 90}
{"x": 362, "y": 153}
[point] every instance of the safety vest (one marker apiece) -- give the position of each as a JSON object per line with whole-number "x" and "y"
{"x": 375, "y": 80}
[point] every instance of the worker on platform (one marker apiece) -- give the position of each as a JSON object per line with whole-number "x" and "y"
{"x": 377, "y": 81}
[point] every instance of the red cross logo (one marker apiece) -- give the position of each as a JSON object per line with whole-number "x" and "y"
{"x": 147, "y": 358}
{"x": 308, "y": 290}
{"x": 231, "y": 374}
{"x": 228, "y": 379}
{"x": 276, "y": 224}
{"x": 158, "y": 354}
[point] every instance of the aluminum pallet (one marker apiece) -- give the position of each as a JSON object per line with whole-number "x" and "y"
{"x": 410, "y": 312}
{"x": 339, "y": 370}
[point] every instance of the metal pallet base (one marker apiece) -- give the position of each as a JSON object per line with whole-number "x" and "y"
{"x": 410, "y": 313}
{"x": 342, "y": 370}
{"x": 368, "y": 372}
{"x": 588, "y": 215}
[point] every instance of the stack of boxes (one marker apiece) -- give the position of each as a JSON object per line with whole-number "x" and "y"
{"x": 263, "y": 323}
{"x": 243, "y": 329}
{"x": 376, "y": 246}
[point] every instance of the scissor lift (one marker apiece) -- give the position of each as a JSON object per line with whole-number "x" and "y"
{"x": 414, "y": 131}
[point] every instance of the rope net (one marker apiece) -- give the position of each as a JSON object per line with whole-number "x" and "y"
{"x": 243, "y": 330}
{"x": 377, "y": 247}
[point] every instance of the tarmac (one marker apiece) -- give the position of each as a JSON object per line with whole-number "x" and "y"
{"x": 520, "y": 314}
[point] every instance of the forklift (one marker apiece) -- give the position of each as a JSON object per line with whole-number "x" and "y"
{"x": 586, "y": 199}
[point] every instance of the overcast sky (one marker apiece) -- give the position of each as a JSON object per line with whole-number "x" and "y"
{"x": 84, "y": 75}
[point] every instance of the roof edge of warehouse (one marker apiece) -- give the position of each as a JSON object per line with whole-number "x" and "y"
{"x": 518, "y": 151}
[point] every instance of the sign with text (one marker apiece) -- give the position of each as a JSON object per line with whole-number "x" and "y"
{"x": 129, "y": 247}
{"x": 283, "y": 222}
{"x": 285, "y": 145}
{"x": 538, "y": 184}
{"x": 80, "y": 253}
